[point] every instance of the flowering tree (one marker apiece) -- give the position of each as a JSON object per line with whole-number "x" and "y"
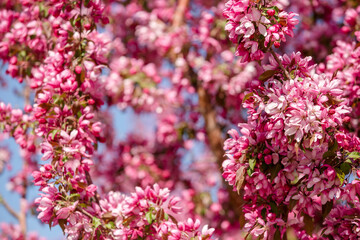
{"x": 253, "y": 106}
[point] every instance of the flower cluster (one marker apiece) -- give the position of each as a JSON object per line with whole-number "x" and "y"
{"x": 255, "y": 27}
{"x": 291, "y": 153}
{"x": 170, "y": 67}
{"x": 147, "y": 213}
{"x": 343, "y": 63}
{"x": 352, "y": 22}
{"x": 10, "y": 231}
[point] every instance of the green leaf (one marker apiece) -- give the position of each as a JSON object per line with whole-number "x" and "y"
{"x": 240, "y": 178}
{"x": 341, "y": 175}
{"x": 277, "y": 235}
{"x": 266, "y": 75}
{"x": 274, "y": 208}
{"x": 149, "y": 217}
{"x": 252, "y": 163}
{"x": 354, "y": 155}
{"x": 247, "y": 96}
{"x": 62, "y": 223}
{"x": 292, "y": 203}
{"x": 50, "y": 221}
{"x": 275, "y": 170}
{"x": 263, "y": 213}
{"x": 74, "y": 195}
{"x": 326, "y": 208}
{"x": 96, "y": 222}
{"x": 332, "y": 149}
{"x": 173, "y": 219}
{"x": 309, "y": 224}
{"x": 345, "y": 168}
{"x": 110, "y": 225}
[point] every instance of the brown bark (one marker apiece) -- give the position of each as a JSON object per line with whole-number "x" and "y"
{"x": 213, "y": 130}
{"x": 180, "y": 12}
{"x": 215, "y": 139}
{"x": 8, "y": 208}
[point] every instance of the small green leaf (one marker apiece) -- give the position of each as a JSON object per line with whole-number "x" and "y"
{"x": 292, "y": 203}
{"x": 247, "y": 96}
{"x": 354, "y": 155}
{"x": 341, "y": 175}
{"x": 309, "y": 224}
{"x": 277, "y": 235}
{"x": 249, "y": 172}
{"x": 275, "y": 170}
{"x": 326, "y": 208}
{"x": 240, "y": 178}
{"x": 110, "y": 225}
{"x": 274, "y": 208}
{"x": 266, "y": 75}
{"x": 62, "y": 223}
{"x": 96, "y": 222}
{"x": 173, "y": 219}
{"x": 252, "y": 163}
{"x": 74, "y": 195}
{"x": 345, "y": 168}
{"x": 149, "y": 217}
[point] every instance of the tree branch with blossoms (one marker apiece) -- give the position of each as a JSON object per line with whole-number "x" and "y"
{"x": 8, "y": 208}
{"x": 291, "y": 164}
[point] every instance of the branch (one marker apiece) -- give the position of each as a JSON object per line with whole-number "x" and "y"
{"x": 179, "y": 13}
{"x": 85, "y": 212}
{"x": 8, "y": 208}
{"x": 89, "y": 181}
{"x": 280, "y": 64}
{"x": 214, "y": 136}
{"x": 213, "y": 130}
{"x": 23, "y": 206}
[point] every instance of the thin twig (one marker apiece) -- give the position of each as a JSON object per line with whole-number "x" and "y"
{"x": 89, "y": 181}
{"x": 280, "y": 64}
{"x": 8, "y": 208}
{"x": 180, "y": 12}
{"x": 23, "y": 205}
{"x": 84, "y": 212}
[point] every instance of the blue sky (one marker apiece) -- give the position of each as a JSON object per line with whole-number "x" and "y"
{"x": 12, "y": 94}
{"x": 123, "y": 123}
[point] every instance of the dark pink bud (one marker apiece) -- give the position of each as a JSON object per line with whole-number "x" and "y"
{"x": 31, "y": 148}
{"x": 105, "y": 20}
{"x": 267, "y": 151}
{"x": 28, "y": 108}
{"x": 78, "y": 69}
{"x": 237, "y": 155}
{"x": 268, "y": 159}
{"x": 13, "y": 60}
{"x": 48, "y": 167}
{"x": 277, "y": 44}
{"x": 91, "y": 101}
{"x": 345, "y": 29}
{"x": 346, "y": 119}
{"x": 47, "y": 175}
{"x": 87, "y": 26}
{"x": 42, "y": 120}
{"x": 270, "y": 12}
